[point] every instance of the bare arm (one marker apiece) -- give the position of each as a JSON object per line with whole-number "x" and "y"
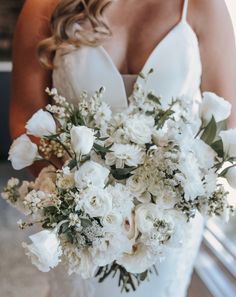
{"x": 29, "y": 78}
{"x": 218, "y": 52}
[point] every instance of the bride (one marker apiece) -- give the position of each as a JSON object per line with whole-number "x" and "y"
{"x": 83, "y": 44}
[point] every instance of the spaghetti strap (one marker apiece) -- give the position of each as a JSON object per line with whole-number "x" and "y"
{"x": 185, "y": 10}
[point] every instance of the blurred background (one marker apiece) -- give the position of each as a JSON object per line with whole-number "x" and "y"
{"x": 215, "y": 269}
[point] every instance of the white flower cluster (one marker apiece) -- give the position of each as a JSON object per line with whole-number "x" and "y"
{"x": 129, "y": 181}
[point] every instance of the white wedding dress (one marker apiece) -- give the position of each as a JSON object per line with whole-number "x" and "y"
{"x": 177, "y": 71}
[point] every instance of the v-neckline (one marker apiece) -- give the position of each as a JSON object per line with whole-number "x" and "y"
{"x": 175, "y": 27}
{"x": 156, "y": 48}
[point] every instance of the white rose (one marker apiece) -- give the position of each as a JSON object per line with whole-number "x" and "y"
{"x": 145, "y": 215}
{"x": 41, "y": 124}
{"x": 125, "y": 154}
{"x": 22, "y": 152}
{"x": 213, "y": 105}
{"x": 140, "y": 260}
{"x": 139, "y": 128}
{"x": 112, "y": 221}
{"x": 82, "y": 139}
{"x": 231, "y": 177}
{"x": 97, "y": 202}
{"x": 91, "y": 173}
{"x": 136, "y": 184}
{"x": 45, "y": 250}
{"x": 229, "y": 142}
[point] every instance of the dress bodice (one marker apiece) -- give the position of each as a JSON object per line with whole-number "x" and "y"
{"x": 175, "y": 60}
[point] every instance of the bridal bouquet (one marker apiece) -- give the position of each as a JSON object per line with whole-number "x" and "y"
{"x": 128, "y": 183}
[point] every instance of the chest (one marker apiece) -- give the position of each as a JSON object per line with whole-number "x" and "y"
{"x": 137, "y": 30}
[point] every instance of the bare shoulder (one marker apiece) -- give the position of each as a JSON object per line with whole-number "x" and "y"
{"x": 34, "y": 20}
{"x": 211, "y": 17}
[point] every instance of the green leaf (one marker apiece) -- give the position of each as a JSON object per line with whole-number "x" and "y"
{"x": 162, "y": 117}
{"x": 77, "y": 119}
{"x": 72, "y": 164}
{"x": 143, "y": 275}
{"x": 122, "y": 173}
{"x": 102, "y": 149}
{"x": 209, "y": 133}
{"x": 221, "y": 126}
{"x": 217, "y": 146}
{"x": 154, "y": 98}
{"x": 85, "y": 222}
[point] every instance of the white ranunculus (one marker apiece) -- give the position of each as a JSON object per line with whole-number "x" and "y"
{"x": 22, "y": 152}
{"x": 229, "y": 142}
{"x": 231, "y": 177}
{"x": 125, "y": 154}
{"x": 213, "y": 105}
{"x": 91, "y": 173}
{"x": 139, "y": 128}
{"x": 82, "y": 139}
{"x": 97, "y": 202}
{"x": 45, "y": 250}
{"x": 41, "y": 124}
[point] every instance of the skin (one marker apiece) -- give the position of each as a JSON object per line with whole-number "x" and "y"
{"x": 137, "y": 26}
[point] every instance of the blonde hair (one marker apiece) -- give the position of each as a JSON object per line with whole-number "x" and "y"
{"x": 66, "y": 14}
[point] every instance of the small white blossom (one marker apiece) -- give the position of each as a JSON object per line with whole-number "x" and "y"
{"x": 125, "y": 154}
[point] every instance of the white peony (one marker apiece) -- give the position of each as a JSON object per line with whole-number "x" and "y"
{"x": 229, "y": 142}
{"x": 82, "y": 139}
{"x": 91, "y": 173}
{"x": 41, "y": 124}
{"x": 125, "y": 154}
{"x": 139, "y": 128}
{"x": 45, "y": 250}
{"x": 231, "y": 177}
{"x": 22, "y": 152}
{"x": 213, "y": 105}
{"x": 97, "y": 202}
